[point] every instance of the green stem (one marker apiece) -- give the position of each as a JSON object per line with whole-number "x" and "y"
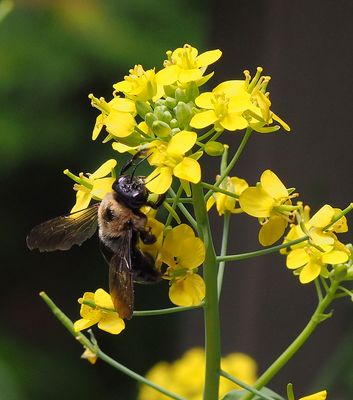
{"x": 232, "y": 162}
{"x": 164, "y": 311}
{"x": 206, "y": 135}
{"x": 173, "y": 207}
{"x": 181, "y": 200}
{"x": 211, "y": 311}
{"x": 317, "y": 317}
{"x": 184, "y": 210}
{"x": 257, "y": 253}
{"x": 99, "y": 353}
{"x": 218, "y": 189}
{"x": 226, "y": 221}
{"x": 244, "y": 385}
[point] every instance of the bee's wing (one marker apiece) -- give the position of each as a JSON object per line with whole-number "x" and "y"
{"x": 63, "y": 232}
{"x": 120, "y": 277}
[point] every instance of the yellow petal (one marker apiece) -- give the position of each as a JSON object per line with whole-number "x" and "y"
{"x": 256, "y": 202}
{"x": 104, "y": 169}
{"x": 273, "y": 185}
{"x": 272, "y": 230}
{"x": 83, "y": 199}
{"x": 193, "y": 253}
{"x": 210, "y": 203}
{"x": 120, "y": 124}
{"x": 173, "y": 242}
{"x": 188, "y": 75}
{"x": 322, "y": 217}
{"x": 160, "y": 180}
{"x": 316, "y": 396}
{"x": 239, "y": 185}
{"x": 233, "y": 121}
{"x": 101, "y": 187}
{"x": 83, "y": 323}
{"x": 188, "y": 169}
{"x": 230, "y": 88}
{"x": 334, "y": 257}
{"x": 203, "y": 119}
{"x": 97, "y": 127}
{"x": 297, "y": 258}
{"x": 123, "y": 105}
{"x": 111, "y": 323}
{"x": 208, "y": 57}
{"x": 181, "y": 142}
{"x": 310, "y": 272}
{"x": 189, "y": 291}
{"x": 205, "y": 100}
{"x": 168, "y": 75}
{"x": 103, "y": 299}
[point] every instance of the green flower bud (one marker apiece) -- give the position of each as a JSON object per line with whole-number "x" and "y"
{"x": 169, "y": 90}
{"x": 143, "y": 108}
{"x": 180, "y": 95}
{"x": 175, "y": 131}
{"x": 161, "y": 129}
{"x": 167, "y": 117}
{"x": 214, "y": 148}
{"x": 159, "y": 111}
{"x": 149, "y": 119}
{"x": 183, "y": 113}
{"x": 170, "y": 102}
{"x": 160, "y": 102}
{"x": 340, "y": 272}
{"x": 173, "y": 123}
{"x": 192, "y": 91}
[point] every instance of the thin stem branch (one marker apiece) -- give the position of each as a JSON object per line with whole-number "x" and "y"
{"x": 163, "y": 311}
{"x": 244, "y": 385}
{"x": 68, "y": 324}
{"x": 257, "y": 253}
{"x": 184, "y": 210}
{"x": 220, "y": 190}
{"x": 225, "y": 234}
{"x": 232, "y": 162}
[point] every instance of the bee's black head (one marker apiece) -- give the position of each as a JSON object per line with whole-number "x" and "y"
{"x": 131, "y": 190}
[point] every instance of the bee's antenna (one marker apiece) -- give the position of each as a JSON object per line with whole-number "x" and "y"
{"x": 152, "y": 178}
{"x": 136, "y": 165}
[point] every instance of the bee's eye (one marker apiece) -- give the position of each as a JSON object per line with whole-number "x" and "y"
{"x": 109, "y": 215}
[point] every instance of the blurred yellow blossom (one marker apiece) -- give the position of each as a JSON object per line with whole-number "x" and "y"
{"x": 185, "y": 376}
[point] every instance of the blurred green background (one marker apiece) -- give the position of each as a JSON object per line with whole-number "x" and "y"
{"x": 52, "y": 55}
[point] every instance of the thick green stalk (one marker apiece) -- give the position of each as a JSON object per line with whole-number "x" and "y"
{"x": 317, "y": 317}
{"x": 226, "y": 221}
{"x": 211, "y": 311}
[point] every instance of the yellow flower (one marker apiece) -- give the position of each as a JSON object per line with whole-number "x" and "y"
{"x": 117, "y": 115}
{"x": 224, "y": 106}
{"x": 89, "y": 356}
{"x": 186, "y": 375}
{"x": 224, "y": 202}
{"x": 316, "y": 396}
{"x": 141, "y": 85}
{"x": 169, "y": 158}
{"x": 269, "y": 201}
{"x": 309, "y": 262}
{"x": 183, "y": 253}
{"x": 185, "y": 65}
{"x": 102, "y": 313}
{"x": 95, "y": 185}
{"x": 260, "y": 99}
{"x": 157, "y": 229}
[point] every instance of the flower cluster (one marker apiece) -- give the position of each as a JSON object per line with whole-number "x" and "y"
{"x": 162, "y": 112}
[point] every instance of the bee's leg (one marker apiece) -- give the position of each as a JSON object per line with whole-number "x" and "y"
{"x": 143, "y": 268}
{"x": 158, "y": 203}
{"x": 147, "y": 237}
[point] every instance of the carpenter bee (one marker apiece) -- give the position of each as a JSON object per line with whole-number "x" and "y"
{"x": 120, "y": 226}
